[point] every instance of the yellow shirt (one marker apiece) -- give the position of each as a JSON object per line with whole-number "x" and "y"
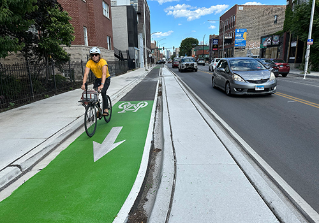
{"x": 96, "y": 68}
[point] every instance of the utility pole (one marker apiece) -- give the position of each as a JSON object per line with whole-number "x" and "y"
{"x": 203, "y": 46}
{"x": 145, "y": 56}
{"x": 309, "y": 37}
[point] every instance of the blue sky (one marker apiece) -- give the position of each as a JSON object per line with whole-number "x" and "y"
{"x": 175, "y": 20}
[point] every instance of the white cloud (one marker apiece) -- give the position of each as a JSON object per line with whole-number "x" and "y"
{"x": 192, "y": 13}
{"x": 253, "y": 3}
{"x": 164, "y": 1}
{"x": 179, "y": 24}
{"x": 212, "y": 27}
{"x": 161, "y": 34}
{"x": 193, "y": 31}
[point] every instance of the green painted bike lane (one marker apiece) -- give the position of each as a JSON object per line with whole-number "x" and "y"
{"x": 74, "y": 188}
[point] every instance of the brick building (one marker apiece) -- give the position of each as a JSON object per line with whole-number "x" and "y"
{"x": 259, "y": 20}
{"x": 92, "y": 22}
{"x": 139, "y": 7}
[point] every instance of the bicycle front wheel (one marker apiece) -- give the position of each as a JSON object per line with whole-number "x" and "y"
{"x": 90, "y": 120}
{"x": 108, "y": 118}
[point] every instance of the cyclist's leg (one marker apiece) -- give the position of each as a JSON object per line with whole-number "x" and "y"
{"x": 103, "y": 93}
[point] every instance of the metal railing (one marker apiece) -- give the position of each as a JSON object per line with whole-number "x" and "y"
{"x": 24, "y": 83}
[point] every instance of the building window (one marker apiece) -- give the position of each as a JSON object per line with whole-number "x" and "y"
{"x": 275, "y": 19}
{"x": 85, "y": 31}
{"x": 106, "y": 11}
{"x": 109, "y": 46}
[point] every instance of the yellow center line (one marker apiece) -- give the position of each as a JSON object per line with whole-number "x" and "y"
{"x": 298, "y": 99}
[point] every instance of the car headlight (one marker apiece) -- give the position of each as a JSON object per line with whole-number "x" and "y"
{"x": 238, "y": 78}
{"x": 272, "y": 76}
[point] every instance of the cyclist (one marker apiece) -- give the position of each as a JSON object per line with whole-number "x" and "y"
{"x": 100, "y": 69}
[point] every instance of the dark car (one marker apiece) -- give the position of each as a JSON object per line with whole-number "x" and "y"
{"x": 175, "y": 62}
{"x": 283, "y": 67}
{"x": 269, "y": 65}
{"x": 243, "y": 75}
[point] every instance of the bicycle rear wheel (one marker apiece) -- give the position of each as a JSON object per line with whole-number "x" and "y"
{"x": 108, "y": 118}
{"x": 90, "y": 120}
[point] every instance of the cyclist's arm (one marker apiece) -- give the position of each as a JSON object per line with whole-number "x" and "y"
{"x": 86, "y": 74}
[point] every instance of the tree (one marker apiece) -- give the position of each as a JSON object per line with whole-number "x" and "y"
{"x": 187, "y": 45}
{"x": 299, "y": 26}
{"x": 12, "y": 20}
{"x": 53, "y": 30}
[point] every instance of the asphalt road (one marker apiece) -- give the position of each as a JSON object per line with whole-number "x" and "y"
{"x": 282, "y": 128}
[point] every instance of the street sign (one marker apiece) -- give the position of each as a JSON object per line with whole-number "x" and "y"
{"x": 309, "y": 41}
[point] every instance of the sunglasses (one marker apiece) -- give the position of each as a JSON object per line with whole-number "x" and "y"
{"x": 94, "y": 54}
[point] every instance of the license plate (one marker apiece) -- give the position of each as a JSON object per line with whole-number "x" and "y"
{"x": 259, "y": 87}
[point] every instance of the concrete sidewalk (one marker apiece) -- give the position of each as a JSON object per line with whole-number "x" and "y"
{"x": 30, "y": 132}
{"x": 301, "y": 73}
{"x": 201, "y": 181}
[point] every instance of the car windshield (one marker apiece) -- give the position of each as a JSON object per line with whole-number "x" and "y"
{"x": 265, "y": 61}
{"x": 245, "y": 65}
{"x": 188, "y": 60}
{"x": 279, "y": 61}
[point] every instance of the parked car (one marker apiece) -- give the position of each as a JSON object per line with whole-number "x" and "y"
{"x": 187, "y": 63}
{"x": 201, "y": 62}
{"x": 213, "y": 64}
{"x": 270, "y": 65}
{"x": 283, "y": 67}
{"x": 175, "y": 62}
{"x": 243, "y": 75}
{"x": 160, "y": 62}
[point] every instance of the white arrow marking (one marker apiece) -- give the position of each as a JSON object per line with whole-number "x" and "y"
{"x": 99, "y": 150}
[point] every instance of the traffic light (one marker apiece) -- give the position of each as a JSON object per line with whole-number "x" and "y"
{"x": 163, "y": 48}
{"x": 173, "y": 48}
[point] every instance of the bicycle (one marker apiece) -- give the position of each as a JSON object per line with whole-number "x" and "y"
{"x": 92, "y": 103}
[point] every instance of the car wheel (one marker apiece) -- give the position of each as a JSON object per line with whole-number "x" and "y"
{"x": 284, "y": 75}
{"x": 195, "y": 70}
{"x": 213, "y": 82}
{"x": 209, "y": 68}
{"x": 228, "y": 89}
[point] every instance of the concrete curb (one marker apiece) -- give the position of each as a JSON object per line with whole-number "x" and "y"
{"x": 26, "y": 162}
{"x": 123, "y": 214}
{"x": 162, "y": 205}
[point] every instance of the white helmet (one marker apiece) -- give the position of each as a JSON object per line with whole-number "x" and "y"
{"x": 95, "y": 50}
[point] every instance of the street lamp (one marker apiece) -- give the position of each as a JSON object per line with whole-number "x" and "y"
{"x": 159, "y": 46}
{"x": 223, "y": 33}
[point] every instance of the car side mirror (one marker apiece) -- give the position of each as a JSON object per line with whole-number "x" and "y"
{"x": 221, "y": 69}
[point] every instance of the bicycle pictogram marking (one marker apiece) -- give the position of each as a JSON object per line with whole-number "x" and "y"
{"x": 128, "y": 106}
